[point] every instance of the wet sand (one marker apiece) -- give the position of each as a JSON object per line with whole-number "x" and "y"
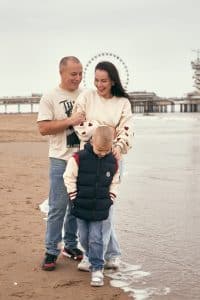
{"x": 23, "y": 186}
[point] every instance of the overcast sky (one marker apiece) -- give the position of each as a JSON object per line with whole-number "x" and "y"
{"x": 154, "y": 38}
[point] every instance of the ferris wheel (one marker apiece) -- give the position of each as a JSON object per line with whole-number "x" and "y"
{"x": 88, "y": 72}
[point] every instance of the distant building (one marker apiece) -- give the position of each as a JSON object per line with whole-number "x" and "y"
{"x": 149, "y": 102}
{"x": 196, "y": 67}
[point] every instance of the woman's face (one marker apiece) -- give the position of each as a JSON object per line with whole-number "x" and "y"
{"x": 103, "y": 83}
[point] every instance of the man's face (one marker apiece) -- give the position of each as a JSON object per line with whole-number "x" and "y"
{"x": 71, "y": 76}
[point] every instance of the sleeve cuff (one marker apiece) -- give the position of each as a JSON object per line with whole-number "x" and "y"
{"x": 112, "y": 196}
{"x": 72, "y": 195}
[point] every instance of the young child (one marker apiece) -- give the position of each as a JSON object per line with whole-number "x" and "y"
{"x": 92, "y": 178}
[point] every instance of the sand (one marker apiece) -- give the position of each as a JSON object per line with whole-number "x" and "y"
{"x": 23, "y": 186}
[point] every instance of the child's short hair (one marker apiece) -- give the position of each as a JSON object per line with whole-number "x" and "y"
{"x": 104, "y": 135}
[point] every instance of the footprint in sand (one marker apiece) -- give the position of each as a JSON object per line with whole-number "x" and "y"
{"x": 68, "y": 283}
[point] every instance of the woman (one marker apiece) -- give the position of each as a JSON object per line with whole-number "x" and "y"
{"x": 107, "y": 105}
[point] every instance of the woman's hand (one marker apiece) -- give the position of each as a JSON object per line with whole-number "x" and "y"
{"x": 117, "y": 152}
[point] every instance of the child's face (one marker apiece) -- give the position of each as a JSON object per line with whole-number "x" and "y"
{"x": 101, "y": 150}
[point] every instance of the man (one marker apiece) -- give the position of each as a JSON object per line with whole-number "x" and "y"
{"x": 55, "y": 119}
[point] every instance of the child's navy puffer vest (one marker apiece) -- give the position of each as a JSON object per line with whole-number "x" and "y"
{"x": 94, "y": 179}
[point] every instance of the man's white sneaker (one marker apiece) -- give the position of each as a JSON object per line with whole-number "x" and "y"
{"x": 112, "y": 263}
{"x": 84, "y": 265}
{"x": 97, "y": 278}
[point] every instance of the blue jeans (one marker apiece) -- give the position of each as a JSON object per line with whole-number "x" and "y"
{"x": 59, "y": 211}
{"x": 111, "y": 246}
{"x": 91, "y": 239}
{"x": 110, "y": 243}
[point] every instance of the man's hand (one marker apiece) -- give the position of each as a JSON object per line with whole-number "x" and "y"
{"x": 56, "y": 126}
{"x": 77, "y": 118}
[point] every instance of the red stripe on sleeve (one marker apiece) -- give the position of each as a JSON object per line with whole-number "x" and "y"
{"x": 76, "y": 157}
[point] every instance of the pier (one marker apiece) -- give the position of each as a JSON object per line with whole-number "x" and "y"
{"x": 141, "y": 101}
{"x": 145, "y": 102}
{"x": 28, "y": 104}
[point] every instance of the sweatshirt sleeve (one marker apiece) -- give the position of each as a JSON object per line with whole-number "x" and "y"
{"x": 84, "y": 130}
{"x": 45, "y": 109}
{"x": 124, "y": 130}
{"x": 70, "y": 177}
{"x": 115, "y": 185}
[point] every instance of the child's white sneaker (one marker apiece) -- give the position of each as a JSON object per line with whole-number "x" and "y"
{"x": 84, "y": 264}
{"x": 97, "y": 278}
{"x": 112, "y": 263}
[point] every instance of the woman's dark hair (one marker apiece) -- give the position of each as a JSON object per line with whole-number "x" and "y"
{"x": 117, "y": 88}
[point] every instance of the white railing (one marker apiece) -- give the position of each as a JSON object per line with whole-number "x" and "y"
{"x": 17, "y": 108}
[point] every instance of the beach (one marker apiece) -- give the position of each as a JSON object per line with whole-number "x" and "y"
{"x": 23, "y": 187}
{"x": 157, "y": 215}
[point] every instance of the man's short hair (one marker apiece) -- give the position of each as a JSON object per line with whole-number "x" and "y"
{"x": 64, "y": 60}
